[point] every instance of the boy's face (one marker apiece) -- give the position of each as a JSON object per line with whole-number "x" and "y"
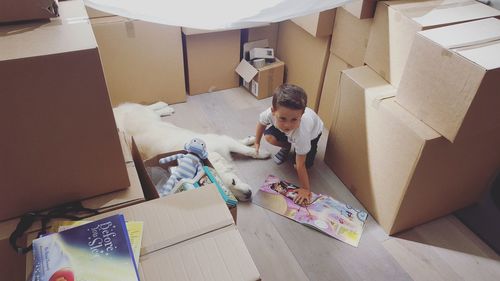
{"x": 287, "y": 119}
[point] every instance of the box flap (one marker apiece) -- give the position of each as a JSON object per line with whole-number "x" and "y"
{"x": 246, "y": 70}
{"x": 178, "y": 217}
{"x": 465, "y": 34}
{"x": 486, "y": 55}
{"x": 220, "y": 255}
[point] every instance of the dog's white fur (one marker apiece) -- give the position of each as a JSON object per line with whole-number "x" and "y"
{"x": 154, "y": 136}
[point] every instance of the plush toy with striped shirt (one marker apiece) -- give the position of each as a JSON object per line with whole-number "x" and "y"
{"x": 189, "y": 164}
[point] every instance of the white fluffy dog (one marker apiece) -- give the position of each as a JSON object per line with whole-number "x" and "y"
{"x": 154, "y": 136}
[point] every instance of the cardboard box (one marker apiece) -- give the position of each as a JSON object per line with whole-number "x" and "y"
{"x": 305, "y": 58}
{"x": 269, "y": 32}
{"x": 361, "y": 9}
{"x": 317, "y": 24}
{"x": 93, "y": 13}
{"x": 64, "y": 143}
{"x": 328, "y": 104}
{"x": 210, "y": 60}
{"x": 22, "y": 10}
{"x": 396, "y": 23}
{"x": 401, "y": 170}
{"x": 452, "y": 79}
{"x": 147, "y": 172}
{"x": 263, "y": 81}
{"x": 191, "y": 229}
{"x": 142, "y": 61}
{"x": 350, "y": 37}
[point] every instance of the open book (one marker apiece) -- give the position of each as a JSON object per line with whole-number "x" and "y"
{"x": 98, "y": 251}
{"x": 324, "y": 213}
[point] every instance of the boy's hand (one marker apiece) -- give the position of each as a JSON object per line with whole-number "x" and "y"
{"x": 303, "y": 197}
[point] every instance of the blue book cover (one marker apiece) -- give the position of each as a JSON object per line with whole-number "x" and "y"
{"x": 97, "y": 251}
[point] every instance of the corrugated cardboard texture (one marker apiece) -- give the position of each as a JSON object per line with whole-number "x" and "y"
{"x": 361, "y": 9}
{"x": 220, "y": 255}
{"x": 269, "y": 32}
{"x": 210, "y": 60}
{"x": 329, "y": 95}
{"x": 305, "y": 59}
{"x": 269, "y": 78}
{"x": 13, "y": 265}
{"x": 142, "y": 61}
{"x": 20, "y": 10}
{"x": 178, "y": 217}
{"x": 350, "y": 37}
{"x": 63, "y": 143}
{"x": 396, "y": 23}
{"x": 317, "y": 24}
{"x": 455, "y": 91}
{"x": 402, "y": 171}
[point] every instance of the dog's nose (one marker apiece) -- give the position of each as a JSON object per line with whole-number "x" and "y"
{"x": 248, "y": 195}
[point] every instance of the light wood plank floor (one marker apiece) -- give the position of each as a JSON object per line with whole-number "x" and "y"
{"x": 443, "y": 249}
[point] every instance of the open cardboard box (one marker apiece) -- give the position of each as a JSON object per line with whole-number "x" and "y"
{"x": 187, "y": 236}
{"x": 150, "y": 170}
{"x": 262, "y": 81}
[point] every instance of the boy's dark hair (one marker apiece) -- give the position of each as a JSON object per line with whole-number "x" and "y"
{"x": 290, "y": 96}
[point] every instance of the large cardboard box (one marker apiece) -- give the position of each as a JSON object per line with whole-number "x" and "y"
{"x": 328, "y": 104}
{"x": 401, "y": 170}
{"x": 94, "y": 13}
{"x": 361, "y": 9}
{"x": 396, "y": 23}
{"x": 350, "y": 37}
{"x": 317, "y": 24}
{"x": 22, "y": 10}
{"x": 261, "y": 82}
{"x": 193, "y": 230}
{"x": 142, "y": 61}
{"x": 210, "y": 60}
{"x": 305, "y": 59}
{"x": 452, "y": 78}
{"x": 63, "y": 143}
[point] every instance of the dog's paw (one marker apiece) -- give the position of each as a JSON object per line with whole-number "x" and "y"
{"x": 248, "y": 141}
{"x": 158, "y": 105}
{"x": 263, "y": 154}
{"x": 166, "y": 111}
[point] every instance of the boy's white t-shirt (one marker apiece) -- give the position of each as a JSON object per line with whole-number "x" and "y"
{"x": 310, "y": 127}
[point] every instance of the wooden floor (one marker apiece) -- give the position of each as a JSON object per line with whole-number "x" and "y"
{"x": 443, "y": 249}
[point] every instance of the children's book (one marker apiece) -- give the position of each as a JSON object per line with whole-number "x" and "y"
{"x": 134, "y": 229}
{"x": 211, "y": 176}
{"x": 324, "y": 213}
{"x": 97, "y": 251}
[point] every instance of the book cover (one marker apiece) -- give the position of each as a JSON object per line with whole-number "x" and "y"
{"x": 134, "y": 229}
{"x": 324, "y": 213}
{"x": 97, "y": 251}
{"x": 213, "y": 177}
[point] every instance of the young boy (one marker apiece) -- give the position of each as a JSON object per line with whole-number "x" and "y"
{"x": 289, "y": 122}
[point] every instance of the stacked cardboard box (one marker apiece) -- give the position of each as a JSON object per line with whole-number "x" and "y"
{"x": 210, "y": 59}
{"x": 361, "y": 9}
{"x": 23, "y": 10}
{"x": 317, "y": 24}
{"x": 451, "y": 80}
{"x": 396, "y": 23}
{"x": 63, "y": 143}
{"x": 305, "y": 58}
{"x": 347, "y": 49}
{"x": 142, "y": 61}
{"x": 403, "y": 171}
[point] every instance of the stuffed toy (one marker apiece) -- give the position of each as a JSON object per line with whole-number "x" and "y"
{"x": 189, "y": 164}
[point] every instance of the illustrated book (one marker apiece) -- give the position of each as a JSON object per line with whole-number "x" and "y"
{"x": 324, "y": 213}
